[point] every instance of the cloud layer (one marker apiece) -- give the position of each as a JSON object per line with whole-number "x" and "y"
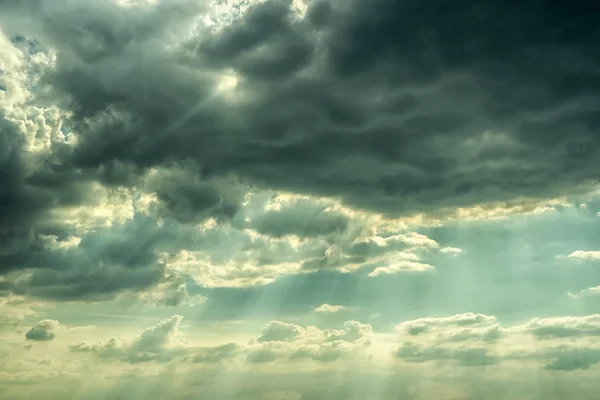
{"x": 298, "y": 199}
{"x": 387, "y": 111}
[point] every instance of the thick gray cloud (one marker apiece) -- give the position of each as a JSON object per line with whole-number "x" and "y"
{"x": 101, "y": 265}
{"x": 188, "y": 199}
{"x": 277, "y": 331}
{"x": 395, "y": 108}
{"x": 26, "y": 193}
{"x": 304, "y": 218}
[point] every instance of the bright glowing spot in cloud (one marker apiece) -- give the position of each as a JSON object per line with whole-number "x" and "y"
{"x": 228, "y": 82}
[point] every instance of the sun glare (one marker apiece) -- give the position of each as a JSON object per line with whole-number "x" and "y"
{"x": 227, "y": 82}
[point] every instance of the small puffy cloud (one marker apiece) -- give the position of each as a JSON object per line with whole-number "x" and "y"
{"x": 564, "y": 327}
{"x": 158, "y": 343}
{"x": 277, "y": 331}
{"x": 414, "y": 239}
{"x": 329, "y": 309}
{"x": 401, "y": 266}
{"x": 42, "y": 331}
{"x": 352, "y": 332}
{"x": 154, "y": 339}
{"x": 589, "y": 292}
{"x": 464, "y": 356}
{"x": 392, "y": 243}
{"x": 456, "y": 328}
{"x": 581, "y": 255}
{"x": 293, "y": 342}
{"x": 451, "y": 251}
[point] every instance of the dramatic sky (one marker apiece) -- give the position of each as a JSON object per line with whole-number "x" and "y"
{"x": 299, "y": 199}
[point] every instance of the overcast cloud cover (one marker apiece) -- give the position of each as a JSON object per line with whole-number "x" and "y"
{"x": 299, "y": 199}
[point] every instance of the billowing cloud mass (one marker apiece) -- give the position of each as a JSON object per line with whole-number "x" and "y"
{"x": 299, "y": 199}
{"x": 181, "y": 110}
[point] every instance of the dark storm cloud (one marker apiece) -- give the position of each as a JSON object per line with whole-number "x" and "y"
{"x": 187, "y": 198}
{"x": 393, "y": 106}
{"x": 105, "y": 263}
{"x": 20, "y": 203}
{"x": 32, "y": 187}
{"x": 263, "y": 45}
{"x": 27, "y": 194}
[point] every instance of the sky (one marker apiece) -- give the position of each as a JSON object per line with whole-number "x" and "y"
{"x": 299, "y": 200}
